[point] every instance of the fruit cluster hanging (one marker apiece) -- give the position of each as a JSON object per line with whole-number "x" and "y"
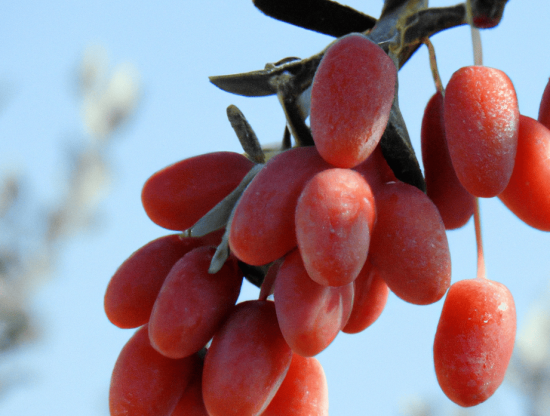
{"x": 328, "y": 226}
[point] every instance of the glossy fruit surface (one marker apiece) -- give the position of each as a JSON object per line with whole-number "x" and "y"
{"x": 177, "y": 196}
{"x": 145, "y": 382}
{"x": 310, "y": 315}
{"x": 304, "y": 391}
{"x": 192, "y": 303}
{"x": 528, "y": 192}
{"x": 246, "y": 362}
{"x": 335, "y": 216}
{"x": 481, "y": 126}
{"x": 455, "y": 204}
{"x": 134, "y": 287}
{"x": 263, "y": 227}
{"x": 409, "y": 247}
{"x": 351, "y": 99}
{"x": 474, "y": 340}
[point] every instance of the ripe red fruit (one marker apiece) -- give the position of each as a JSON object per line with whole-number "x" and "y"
{"x": 263, "y": 227}
{"x": 370, "y": 297}
{"x": 145, "y": 382}
{"x": 191, "y": 402}
{"x": 376, "y": 170}
{"x": 351, "y": 98}
{"x": 193, "y": 303}
{"x": 335, "y": 215}
{"x": 544, "y": 109}
{"x": 481, "y": 126}
{"x": 409, "y": 246}
{"x": 246, "y": 362}
{"x": 474, "y": 340}
{"x": 528, "y": 192}
{"x": 310, "y": 315}
{"x": 304, "y": 391}
{"x": 177, "y": 196}
{"x": 455, "y": 204}
{"x": 134, "y": 287}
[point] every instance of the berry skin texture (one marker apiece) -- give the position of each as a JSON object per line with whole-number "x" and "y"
{"x": 263, "y": 227}
{"x": 335, "y": 216}
{"x": 351, "y": 99}
{"x": 481, "y": 126}
{"x": 409, "y": 246}
{"x": 455, "y": 204}
{"x": 191, "y": 402}
{"x": 310, "y": 315}
{"x": 370, "y": 297}
{"x": 474, "y": 340}
{"x": 134, "y": 287}
{"x": 146, "y": 383}
{"x": 246, "y": 362}
{"x": 192, "y": 303}
{"x": 528, "y": 192}
{"x": 304, "y": 391}
{"x": 177, "y": 196}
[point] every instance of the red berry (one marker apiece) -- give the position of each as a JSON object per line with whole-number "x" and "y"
{"x": 409, "y": 246}
{"x": 134, "y": 287}
{"x": 474, "y": 340}
{"x": 528, "y": 192}
{"x": 145, "y": 382}
{"x": 351, "y": 98}
{"x": 481, "y": 126}
{"x": 335, "y": 215}
{"x": 455, "y": 204}
{"x": 192, "y": 303}
{"x": 179, "y": 195}
{"x": 246, "y": 362}
{"x": 310, "y": 315}
{"x": 370, "y": 297}
{"x": 263, "y": 227}
{"x": 304, "y": 391}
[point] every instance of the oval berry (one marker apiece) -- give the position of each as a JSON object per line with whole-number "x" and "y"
{"x": 335, "y": 215}
{"x": 246, "y": 362}
{"x": 177, "y": 196}
{"x": 481, "y": 126}
{"x": 193, "y": 303}
{"x": 304, "y": 391}
{"x": 134, "y": 287}
{"x": 310, "y": 315}
{"x": 455, "y": 204}
{"x": 474, "y": 340}
{"x": 370, "y": 297}
{"x": 146, "y": 383}
{"x": 263, "y": 227}
{"x": 351, "y": 99}
{"x": 409, "y": 246}
{"x": 528, "y": 192}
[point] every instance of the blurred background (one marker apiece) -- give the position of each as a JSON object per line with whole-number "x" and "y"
{"x": 97, "y": 96}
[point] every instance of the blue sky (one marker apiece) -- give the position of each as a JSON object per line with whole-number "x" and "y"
{"x": 176, "y": 46}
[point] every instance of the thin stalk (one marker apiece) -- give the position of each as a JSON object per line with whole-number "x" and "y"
{"x": 476, "y": 37}
{"x": 433, "y": 66}
{"x": 481, "y": 274}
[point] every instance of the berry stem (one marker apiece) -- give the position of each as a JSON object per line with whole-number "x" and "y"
{"x": 481, "y": 274}
{"x": 476, "y": 42}
{"x": 433, "y": 66}
{"x": 476, "y": 38}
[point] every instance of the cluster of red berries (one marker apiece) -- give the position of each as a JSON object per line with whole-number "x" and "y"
{"x": 335, "y": 231}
